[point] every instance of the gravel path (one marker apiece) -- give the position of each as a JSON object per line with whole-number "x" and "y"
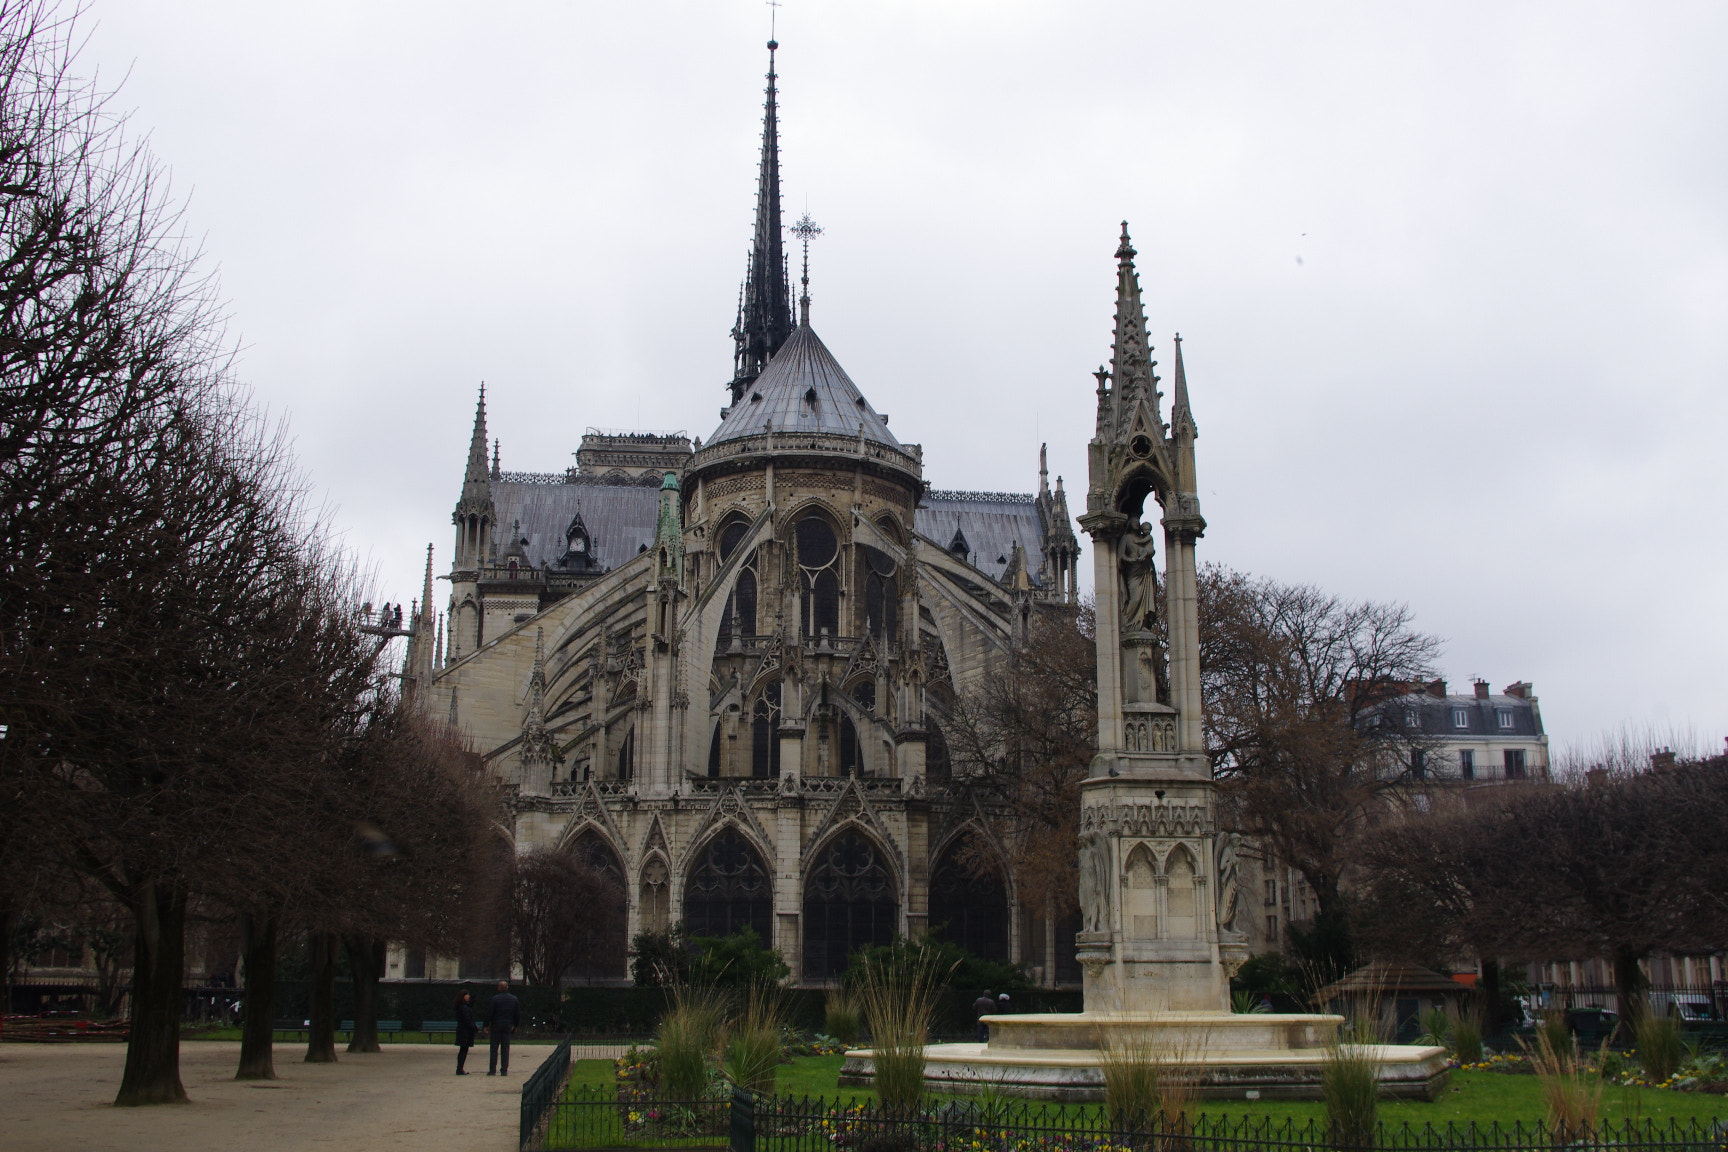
{"x": 58, "y": 1097}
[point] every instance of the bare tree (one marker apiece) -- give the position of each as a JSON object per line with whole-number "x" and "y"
{"x": 564, "y": 912}
{"x": 1290, "y": 678}
{"x": 1022, "y": 743}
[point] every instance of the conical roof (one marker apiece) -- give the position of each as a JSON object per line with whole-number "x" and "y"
{"x": 804, "y": 389}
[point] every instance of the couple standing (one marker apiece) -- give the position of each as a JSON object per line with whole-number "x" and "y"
{"x": 503, "y": 1016}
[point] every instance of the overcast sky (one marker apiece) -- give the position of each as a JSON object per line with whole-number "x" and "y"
{"x": 1452, "y": 278}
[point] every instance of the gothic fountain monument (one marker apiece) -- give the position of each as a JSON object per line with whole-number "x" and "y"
{"x": 1160, "y": 902}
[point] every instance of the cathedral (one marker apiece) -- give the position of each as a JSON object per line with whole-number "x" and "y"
{"x": 718, "y": 669}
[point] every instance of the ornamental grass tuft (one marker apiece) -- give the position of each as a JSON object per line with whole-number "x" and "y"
{"x": 1153, "y": 1091}
{"x": 1350, "y": 1083}
{"x": 1571, "y": 1089}
{"x": 689, "y": 1035}
{"x": 1467, "y": 1034}
{"x": 1658, "y": 1047}
{"x": 897, "y": 992}
{"x": 841, "y": 1016}
{"x": 751, "y": 1048}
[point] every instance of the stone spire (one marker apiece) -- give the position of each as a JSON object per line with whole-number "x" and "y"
{"x": 1181, "y": 418}
{"x": 477, "y": 470}
{"x": 669, "y": 534}
{"x": 421, "y": 660}
{"x": 475, "y": 516}
{"x": 765, "y": 312}
{"x": 539, "y": 751}
{"x": 1131, "y": 363}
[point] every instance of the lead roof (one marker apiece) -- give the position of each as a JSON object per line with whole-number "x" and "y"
{"x": 804, "y": 389}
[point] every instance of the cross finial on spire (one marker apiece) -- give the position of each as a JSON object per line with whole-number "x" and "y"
{"x": 806, "y": 230}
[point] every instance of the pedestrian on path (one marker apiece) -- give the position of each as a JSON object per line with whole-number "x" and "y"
{"x": 465, "y": 1029}
{"x": 502, "y": 1017}
{"x": 982, "y": 1007}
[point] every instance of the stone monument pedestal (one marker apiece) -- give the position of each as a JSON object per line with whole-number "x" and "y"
{"x": 1059, "y": 1056}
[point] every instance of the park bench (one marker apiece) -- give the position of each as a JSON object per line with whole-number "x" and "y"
{"x": 385, "y": 1027}
{"x": 297, "y": 1027}
{"x": 438, "y": 1028}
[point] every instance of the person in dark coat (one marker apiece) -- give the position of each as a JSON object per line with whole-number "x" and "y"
{"x": 465, "y": 1028}
{"x": 982, "y": 1007}
{"x": 502, "y": 1017}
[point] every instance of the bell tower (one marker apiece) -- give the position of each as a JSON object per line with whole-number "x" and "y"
{"x": 1151, "y": 877}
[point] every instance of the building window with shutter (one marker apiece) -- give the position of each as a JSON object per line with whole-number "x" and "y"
{"x": 1460, "y": 718}
{"x": 1467, "y": 765}
{"x": 1503, "y": 716}
{"x": 1514, "y": 763}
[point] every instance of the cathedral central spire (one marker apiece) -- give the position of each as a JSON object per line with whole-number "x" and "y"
{"x": 765, "y": 312}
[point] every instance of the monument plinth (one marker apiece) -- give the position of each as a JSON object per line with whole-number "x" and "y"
{"x": 1159, "y": 896}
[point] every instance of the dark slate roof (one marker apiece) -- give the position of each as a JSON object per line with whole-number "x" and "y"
{"x": 992, "y": 523}
{"x": 1480, "y": 714}
{"x": 804, "y": 389}
{"x": 620, "y": 517}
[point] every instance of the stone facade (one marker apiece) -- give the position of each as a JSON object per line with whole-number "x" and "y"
{"x": 721, "y": 670}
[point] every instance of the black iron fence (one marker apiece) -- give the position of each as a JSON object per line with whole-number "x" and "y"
{"x": 595, "y": 1119}
{"x": 542, "y": 1089}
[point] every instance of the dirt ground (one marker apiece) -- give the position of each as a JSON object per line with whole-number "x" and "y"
{"x": 59, "y": 1098}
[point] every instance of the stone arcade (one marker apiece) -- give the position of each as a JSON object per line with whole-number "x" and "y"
{"x": 1162, "y": 911}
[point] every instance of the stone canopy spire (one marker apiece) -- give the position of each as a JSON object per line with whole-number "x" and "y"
{"x": 765, "y": 310}
{"x": 1131, "y": 364}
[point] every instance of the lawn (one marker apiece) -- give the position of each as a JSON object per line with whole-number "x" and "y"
{"x": 1478, "y": 1096}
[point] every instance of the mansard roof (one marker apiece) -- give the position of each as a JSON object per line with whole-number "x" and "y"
{"x": 991, "y": 523}
{"x": 804, "y": 389}
{"x": 620, "y": 517}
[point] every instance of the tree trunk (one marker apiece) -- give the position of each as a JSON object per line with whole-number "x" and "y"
{"x": 152, "y": 1074}
{"x": 321, "y": 1038}
{"x": 1490, "y": 997}
{"x": 258, "y": 1005}
{"x": 1630, "y": 988}
{"x": 366, "y": 962}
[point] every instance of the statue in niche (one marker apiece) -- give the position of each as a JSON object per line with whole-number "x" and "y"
{"x": 1229, "y": 893}
{"x": 1139, "y": 582}
{"x": 1095, "y": 883}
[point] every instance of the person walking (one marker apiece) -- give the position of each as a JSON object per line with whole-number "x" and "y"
{"x": 1002, "y": 1005}
{"x": 502, "y": 1017}
{"x": 982, "y": 1007}
{"x": 465, "y": 1028}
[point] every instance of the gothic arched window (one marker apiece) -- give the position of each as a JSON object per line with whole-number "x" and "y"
{"x": 881, "y": 594}
{"x": 729, "y": 889}
{"x": 968, "y": 910}
{"x": 627, "y": 756}
{"x": 765, "y": 733}
{"x": 819, "y": 576}
{"x": 741, "y": 604}
{"x": 602, "y": 949}
{"x": 851, "y": 757}
{"x": 849, "y": 903}
{"x": 937, "y": 764}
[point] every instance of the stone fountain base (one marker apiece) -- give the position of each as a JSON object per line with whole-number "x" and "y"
{"x": 1057, "y": 1056}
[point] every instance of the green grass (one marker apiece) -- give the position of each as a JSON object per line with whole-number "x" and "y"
{"x": 1478, "y": 1096}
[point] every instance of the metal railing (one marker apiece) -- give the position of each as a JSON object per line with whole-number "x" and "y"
{"x": 594, "y": 1119}
{"x": 541, "y": 1091}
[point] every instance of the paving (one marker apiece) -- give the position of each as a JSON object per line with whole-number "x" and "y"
{"x": 59, "y": 1097}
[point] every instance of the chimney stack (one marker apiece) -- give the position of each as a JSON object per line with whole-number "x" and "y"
{"x": 1481, "y": 689}
{"x": 1662, "y": 759}
{"x": 1523, "y": 689}
{"x": 1437, "y": 688}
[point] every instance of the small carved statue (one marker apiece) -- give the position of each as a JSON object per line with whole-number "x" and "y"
{"x": 1139, "y": 583}
{"x": 1229, "y": 897}
{"x": 1095, "y": 883}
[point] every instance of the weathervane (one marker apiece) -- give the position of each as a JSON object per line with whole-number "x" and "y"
{"x": 806, "y": 230}
{"x": 773, "y": 11}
